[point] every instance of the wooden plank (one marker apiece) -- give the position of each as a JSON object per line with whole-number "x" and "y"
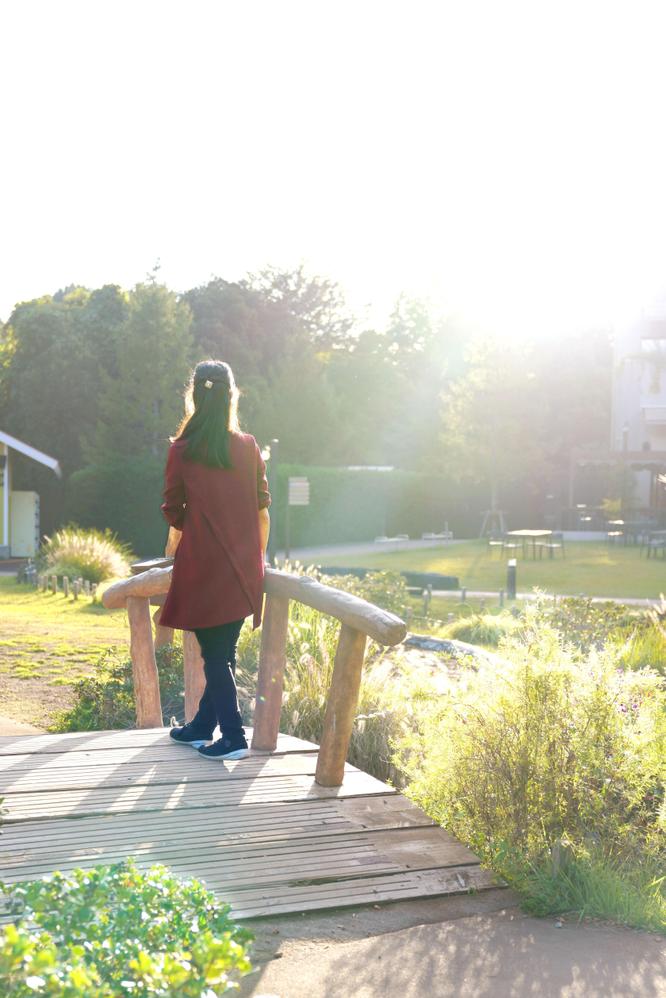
{"x": 405, "y": 848}
{"x": 346, "y": 893}
{"x": 162, "y": 755}
{"x": 251, "y": 822}
{"x": 184, "y": 765}
{"x": 190, "y": 795}
{"x": 129, "y": 738}
{"x": 351, "y": 892}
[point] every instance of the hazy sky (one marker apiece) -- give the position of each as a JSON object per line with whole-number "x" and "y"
{"x": 506, "y": 160}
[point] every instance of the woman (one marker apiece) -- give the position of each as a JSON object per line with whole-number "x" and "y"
{"x": 216, "y": 501}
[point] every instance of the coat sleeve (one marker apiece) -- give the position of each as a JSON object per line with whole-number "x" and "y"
{"x": 263, "y": 495}
{"x": 175, "y": 499}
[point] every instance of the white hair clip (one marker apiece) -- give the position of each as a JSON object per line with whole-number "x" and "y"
{"x": 208, "y": 384}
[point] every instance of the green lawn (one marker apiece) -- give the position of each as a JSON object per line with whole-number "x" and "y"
{"x": 592, "y": 568}
{"x": 46, "y": 643}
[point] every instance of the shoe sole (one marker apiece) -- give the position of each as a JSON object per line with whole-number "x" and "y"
{"x": 197, "y": 743}
{"x": 241, "y": 753}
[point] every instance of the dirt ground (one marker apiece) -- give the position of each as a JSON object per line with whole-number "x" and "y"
{"x": 468, "y": 947}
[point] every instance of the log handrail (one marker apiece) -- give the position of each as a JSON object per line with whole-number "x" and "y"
{"x": 359, "y": 620}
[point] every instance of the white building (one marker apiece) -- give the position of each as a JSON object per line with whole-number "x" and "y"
{"x": 638, "y": 417}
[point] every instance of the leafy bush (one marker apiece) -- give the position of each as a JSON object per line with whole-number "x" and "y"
{"x": 583, "y": 624}
{"x": 90, "y": 554}
{"x": 124, "y": 495}
{"x": 545, "y": 749}
{"x": 115, "y": 930}
{"x": 645, "y": 647}
{"x": 106, "y": 700}
{"x": 387, "y": 590}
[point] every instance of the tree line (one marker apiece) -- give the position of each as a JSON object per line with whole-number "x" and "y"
{"x": 97, "y": 376}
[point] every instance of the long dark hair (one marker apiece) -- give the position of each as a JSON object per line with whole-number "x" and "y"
{"x": 211, "y": 414}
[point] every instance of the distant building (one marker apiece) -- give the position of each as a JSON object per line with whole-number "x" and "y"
{"x": 638, "y": 415}
{"x": 638, "y": 419}
{"x": 19, "y": 511}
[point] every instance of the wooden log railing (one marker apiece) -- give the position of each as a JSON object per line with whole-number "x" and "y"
{"x": 358, "y": 618}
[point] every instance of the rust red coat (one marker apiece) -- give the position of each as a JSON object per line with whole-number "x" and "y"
{"x": 218, "y": 569}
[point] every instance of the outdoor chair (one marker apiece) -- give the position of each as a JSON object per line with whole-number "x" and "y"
{"x": 495, "y": 541}
{"x": 654, "y": 545}
{"x": 513, "y": 544}
{"x": 554, "y": 543}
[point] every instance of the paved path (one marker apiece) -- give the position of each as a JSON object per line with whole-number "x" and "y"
{"x": 502, "y": 954}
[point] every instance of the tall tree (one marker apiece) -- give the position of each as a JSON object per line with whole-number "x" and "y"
{"x": 493, "y": 428}
{"x": 315, "y": 303}
{"x": 141, "y": 399}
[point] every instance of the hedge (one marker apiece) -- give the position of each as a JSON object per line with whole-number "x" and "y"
{"x": 345, "y": 505}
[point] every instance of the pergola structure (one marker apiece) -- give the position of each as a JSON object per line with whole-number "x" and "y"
{"x": 643, "y": 460}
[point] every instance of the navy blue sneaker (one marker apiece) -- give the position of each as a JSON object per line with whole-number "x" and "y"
{"x": 226, "y": 748}
{"x": 188, "y": 734}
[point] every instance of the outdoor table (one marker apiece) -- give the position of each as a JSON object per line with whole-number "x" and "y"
{"x": 530, "y": 535}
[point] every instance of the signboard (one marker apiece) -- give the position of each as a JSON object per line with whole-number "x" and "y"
{"x": 299, "y": 492}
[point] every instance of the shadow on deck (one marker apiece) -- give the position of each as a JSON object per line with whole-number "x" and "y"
{"x": 260, "y": 832}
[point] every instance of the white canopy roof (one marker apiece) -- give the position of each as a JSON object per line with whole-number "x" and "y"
{"x": 32, "y": 452}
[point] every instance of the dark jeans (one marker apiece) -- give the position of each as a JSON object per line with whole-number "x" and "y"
{"x": 219, "y": 703}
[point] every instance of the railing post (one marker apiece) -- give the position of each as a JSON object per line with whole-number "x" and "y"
{"x": 163, "y": 635}
{"x": 193, "y": 670}
{"x": 270, "y": 678}
{"x": 341, "y": 707}
{"x": 144, "y": 668}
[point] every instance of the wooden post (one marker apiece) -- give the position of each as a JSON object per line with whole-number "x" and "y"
{"x": 144, "y": 667}
{"x": 54, "y": 583}
{"x": 193, "y": 669}
{"x": 65, "y": 586}
{"x": 341, "y": 707}
{"x": 75, "y": 588}
{"x": 163, "y": 635}
{"x": 270, "y": 678}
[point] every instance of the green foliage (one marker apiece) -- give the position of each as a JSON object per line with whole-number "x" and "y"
{"x": 385, "y": 589}
{"x": 106, "y": 699}
{"x": 115, "y": 930}
{"x": 140, "y": 399}
{"x": 581, "y": 623}
{"x": 645, "y": 647}
{"x": 481, "y": 628}
{"x": 348, "y": 505}
{"x": 86, "y": 553}
{"x": 123, "y": 495}
{"x": 544, "y": 749}
{"x": 585, "y": 881}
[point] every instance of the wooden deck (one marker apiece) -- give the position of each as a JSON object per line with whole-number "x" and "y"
{"x": 260, "y": 831}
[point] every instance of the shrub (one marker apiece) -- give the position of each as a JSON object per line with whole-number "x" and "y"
{"x": 106, "y": 699}
{"x": 124, "y": 495}
{"x": 645, "y": 647}
{"x": 90, "y": 554}
{"x": 115, "y": 930}
{"x": 387, "y": 590}
{"x": 545, "y": 749}
{"x": 581, "y": 623}
{"x": 481, "y": 629}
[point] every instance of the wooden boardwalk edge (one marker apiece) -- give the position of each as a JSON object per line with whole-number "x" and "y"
{"x": 260, "y": 832}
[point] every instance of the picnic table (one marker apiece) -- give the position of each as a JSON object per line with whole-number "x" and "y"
{"x": 530, "y": 535}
